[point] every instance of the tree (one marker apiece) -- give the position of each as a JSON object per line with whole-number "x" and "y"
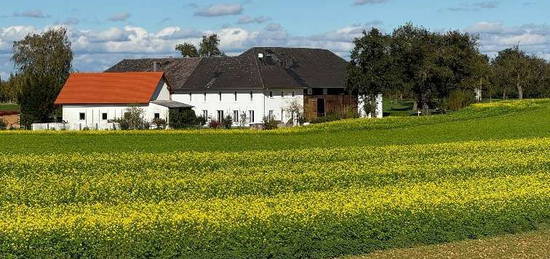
{"x": 370, "y": 70}
{"x": 43, "y": 61}
{"x": 512, "y": 70}
{"x": 209, "y": 47}
{"x": 187, "y": 50}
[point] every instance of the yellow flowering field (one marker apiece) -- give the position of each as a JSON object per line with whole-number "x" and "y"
{"x": 281, "y": 199}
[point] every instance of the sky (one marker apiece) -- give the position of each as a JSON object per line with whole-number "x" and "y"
{"x": 103, "y": 32}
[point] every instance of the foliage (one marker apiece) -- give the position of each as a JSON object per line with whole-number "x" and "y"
{"x": 269, "y": 123}
{"x": 201, "y": 121}
{"x": 43, "y": 63}
{"x": 160, "y": 123}
{"x": 413, "y": 62}
{"x": 133, "y": 119}
{"x": 181, "y": 119}
{"x": 209, "y": 47}
{"x": 295, "y": 109}
{"x": 3, "y": 124}
{"x": 187, "y": 50}
{"x": 344, "y": 187}
{"x": 227, "y": 122}
{"x": 459, "y": 99}
{"x": 370, "y": 69}
{"x": 214, "y": 124}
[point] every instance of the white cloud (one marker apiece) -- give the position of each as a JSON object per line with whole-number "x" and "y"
{"x": 119, "y": 17}
{"x": 534, "y": 39}
{"x": 220, "y": 10}
{"x": 364, "y": 2}
{"x": 96, "y": 50}
{"x": 35, "y": 13}
{"x": 248, "y": 19}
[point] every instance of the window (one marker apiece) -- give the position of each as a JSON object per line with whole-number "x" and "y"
{"x": 282, "y": 93}
{"x": 293, "y": 94}
{"x": 205, "y": 97}
{"x": 104, "y": 116}
{"x": 220, "y": 115}
{"x": 235, "y": 96}
{"x": 157, "y": 116}
{"x": 205, "y": 114}
{"x": 251, "y": 96}
{"x": 220, "y": 94}
{"x": 190, "y": 97}
{"x": 82, "y": 116}
{"x": 270, "y": 116}
{"x": 251, "y": 116}
{"x": 271, "y": 94}
{"x": 235, "y": 116}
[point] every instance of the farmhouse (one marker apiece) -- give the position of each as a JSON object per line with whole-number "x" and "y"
{"x": 92, "y": 100}
{"x": 261, "y": 82}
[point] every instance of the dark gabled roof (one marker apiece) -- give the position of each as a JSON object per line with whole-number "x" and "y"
{"x": 299, "y": 67}
{"x": 279, "y": 68}
{"x": 176, "y": 70}
{"x": 235, "y": 73}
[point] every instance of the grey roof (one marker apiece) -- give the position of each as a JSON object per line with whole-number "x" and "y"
{"x": 172, "y": 104}
{"x": 280, "y": 68}
{"x": 176, "y": 70}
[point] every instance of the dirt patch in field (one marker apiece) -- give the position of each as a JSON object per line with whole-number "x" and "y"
{"x": 11, "y": 120}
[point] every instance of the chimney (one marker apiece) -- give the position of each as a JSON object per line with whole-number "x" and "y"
{"x": 155, "y": 66}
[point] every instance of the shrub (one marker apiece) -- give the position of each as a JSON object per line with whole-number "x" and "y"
{"x": 201, "y": 120}
{"x": 270, "y": 123}
{"x": 181, "y": 119}
{"x": 160, "y": 123}
{"x": 214, "y": 124}
{"x": 459, "y": 99}
{"x": 227, "y": 122}
{"x": 133, "y": 120}
{"x": 3, "y": 124}
{"x": 327, "y": 118}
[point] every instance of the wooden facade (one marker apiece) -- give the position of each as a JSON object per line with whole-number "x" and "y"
{"x": 322, "y": 105}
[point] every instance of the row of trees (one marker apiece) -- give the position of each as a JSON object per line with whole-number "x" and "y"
{"x": 437, "y": 68}
{"x": 209, "y": 47}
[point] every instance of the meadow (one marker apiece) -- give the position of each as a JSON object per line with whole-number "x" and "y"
{"x": 340, "y": 188}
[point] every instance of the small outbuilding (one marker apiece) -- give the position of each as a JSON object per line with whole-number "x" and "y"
{"x": 93, "y": 100}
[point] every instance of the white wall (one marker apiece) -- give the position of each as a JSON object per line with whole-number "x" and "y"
{"x": 162, "y": 92}
{"x": 260, "y": 103}
{"x": 93, "y": 114}
{"x": 279, "y": 103}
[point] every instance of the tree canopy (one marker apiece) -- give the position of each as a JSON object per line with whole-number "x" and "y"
{"x": 209, "y": 47}
{"x": 43, "y": 62}
{"x": 435, "y": 67}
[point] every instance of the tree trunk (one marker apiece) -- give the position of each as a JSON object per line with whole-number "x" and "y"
{"x": 520, "y": 89}
{"x": 479, "y": 91}
{"x": 504, "y": 94}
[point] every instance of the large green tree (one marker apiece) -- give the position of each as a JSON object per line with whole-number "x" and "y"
{"x": 43, "y": 62}
{"x": 370, "y": 69}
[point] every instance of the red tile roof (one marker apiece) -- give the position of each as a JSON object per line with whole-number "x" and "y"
{"x": 109, "y": 88}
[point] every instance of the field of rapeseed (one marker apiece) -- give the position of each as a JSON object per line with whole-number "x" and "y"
{"x": 333, "y": 189}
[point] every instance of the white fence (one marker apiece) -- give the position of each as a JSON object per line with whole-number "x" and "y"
{"x": 76, "y": 126}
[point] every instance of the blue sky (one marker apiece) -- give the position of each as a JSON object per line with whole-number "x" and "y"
{"x": 103, "y": 32}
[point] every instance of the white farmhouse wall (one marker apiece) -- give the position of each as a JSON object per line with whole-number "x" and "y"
{"x": 279, "y": 100}
{"x": 94, "y": 114}
{"x": 241, "y": 101}
{"x": 162, "y": 92}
